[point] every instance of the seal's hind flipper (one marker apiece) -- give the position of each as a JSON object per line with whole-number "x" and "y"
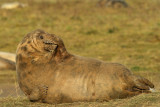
{"x": 141, "y": 84}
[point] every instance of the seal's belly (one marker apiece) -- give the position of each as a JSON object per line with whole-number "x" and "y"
{"x": 83, "y": 83}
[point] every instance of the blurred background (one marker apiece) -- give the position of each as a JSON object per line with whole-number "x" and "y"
{"x": 122, "y": 31}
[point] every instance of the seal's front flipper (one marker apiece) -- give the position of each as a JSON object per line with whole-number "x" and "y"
{"x": 34, "y": 95}
{"x": 38, "y": 94}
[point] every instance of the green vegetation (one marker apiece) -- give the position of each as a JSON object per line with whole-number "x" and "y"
{"x": 130, "y": 36}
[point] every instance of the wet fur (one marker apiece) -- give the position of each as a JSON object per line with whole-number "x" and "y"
{"x": 48, "y": 73}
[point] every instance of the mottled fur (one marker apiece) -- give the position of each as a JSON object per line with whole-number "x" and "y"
{"x": 48, "y": 73}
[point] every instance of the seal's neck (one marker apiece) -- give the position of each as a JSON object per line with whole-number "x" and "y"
{"x": 61, "y": 55}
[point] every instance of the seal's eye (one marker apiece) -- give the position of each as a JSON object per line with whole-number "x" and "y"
{"x": 41, "y": 37}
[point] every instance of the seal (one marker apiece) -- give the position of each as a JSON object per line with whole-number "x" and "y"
{"x": 48, "y": 73}
{"x": 113, "y": 3}
{"x": 7, "y": 55}
{"x": 6, "y": 64}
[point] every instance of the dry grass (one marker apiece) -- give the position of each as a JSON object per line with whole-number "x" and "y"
{"x": 130, "y": 36}
{"x": 144, "y": 100}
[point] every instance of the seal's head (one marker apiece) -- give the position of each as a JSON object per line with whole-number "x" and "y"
{"x": 40, "y": 45}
